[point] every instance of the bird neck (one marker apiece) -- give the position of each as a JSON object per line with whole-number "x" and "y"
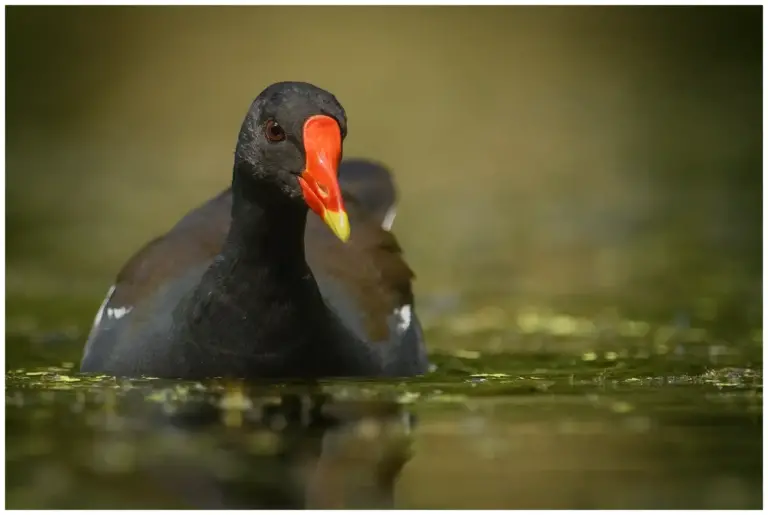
{"x": 267, "y": 228}
{"x": 257, "y": 308}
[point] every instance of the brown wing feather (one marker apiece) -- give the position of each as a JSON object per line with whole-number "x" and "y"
{"x": 369, "y": 264}
{"x": 195, "y": 239}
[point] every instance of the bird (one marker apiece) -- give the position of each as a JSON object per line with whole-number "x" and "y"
{"x": 291, "y": 273}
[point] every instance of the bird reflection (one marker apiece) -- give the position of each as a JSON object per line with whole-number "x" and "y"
{"x": 248, "y": 448}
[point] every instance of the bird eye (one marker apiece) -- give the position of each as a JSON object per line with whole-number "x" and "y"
{"x": 274, "y": 132}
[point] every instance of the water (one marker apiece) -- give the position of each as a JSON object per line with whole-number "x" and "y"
{"x": 649, "y": 416}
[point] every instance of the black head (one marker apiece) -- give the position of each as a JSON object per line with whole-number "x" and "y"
{"x": 289, "y": 148}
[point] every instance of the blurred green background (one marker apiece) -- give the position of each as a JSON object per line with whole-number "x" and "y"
{"x": 559, "y": 156}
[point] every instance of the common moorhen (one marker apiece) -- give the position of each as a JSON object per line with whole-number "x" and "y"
{"x": 248, "y": 286}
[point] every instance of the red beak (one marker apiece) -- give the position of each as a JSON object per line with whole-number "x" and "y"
{"x": 320, "y": 179}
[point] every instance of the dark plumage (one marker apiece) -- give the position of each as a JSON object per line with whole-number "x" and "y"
{"x": 247, "y": 285}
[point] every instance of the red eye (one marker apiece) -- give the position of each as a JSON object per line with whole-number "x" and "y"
{"x": 274, "y": 132}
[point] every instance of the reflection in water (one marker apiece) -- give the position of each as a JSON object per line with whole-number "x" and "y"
{"x": 561, "y": 437}
{"x": 186, "y": 446}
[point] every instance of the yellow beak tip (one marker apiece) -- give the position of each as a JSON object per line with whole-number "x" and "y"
{"x": 339, "y": 224}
